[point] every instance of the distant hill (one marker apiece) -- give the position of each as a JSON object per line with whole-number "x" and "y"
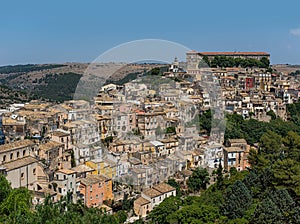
{"x": 26, "y": 68}
{"x": 9, "y": 96}
{"x": 57, "y": 82}
{"x": 286, "y": 68}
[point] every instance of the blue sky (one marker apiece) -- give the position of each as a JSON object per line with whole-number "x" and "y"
{"x": 79, "y": 31}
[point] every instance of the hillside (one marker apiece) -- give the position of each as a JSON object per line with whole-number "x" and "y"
{"x": 58, "y": 82}
{"x": 9, "y": 96}
{"x": 286, "y": 68}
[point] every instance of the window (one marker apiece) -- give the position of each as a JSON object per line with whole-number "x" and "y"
{"x": 24, "y": 152}
{"x": 91, "y": 198}
{"x": 11, "y": 156}
{"x": 91, "y": 188}
{"x": 18, "y": 154}
{"x": 4, "y": 158}
{"x": 34, "y": 171}
{"x": 97, "y": 196}
{"x": 22, "y": 176}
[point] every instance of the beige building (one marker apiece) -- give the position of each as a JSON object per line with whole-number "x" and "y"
{"x": 152, "y": 197}
{"x": 63, "y": 137}
{"x": 65, "y": 180}
{"x": 14, "y": 126}
{"x": 52, "y": 153}
{"x": 194, "y": 58}
{"x": 24, "y": 172}
{"x": 234, "y": 154}
{"x": 17, "y": 150}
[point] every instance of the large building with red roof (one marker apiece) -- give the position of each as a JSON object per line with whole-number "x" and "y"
{"x": 255, "y": 55}
{"x": 193, "y": 58}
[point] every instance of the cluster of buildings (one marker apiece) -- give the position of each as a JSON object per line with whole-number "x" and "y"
{"x": 250, "y": 92}
{"x": 138, "y": 134}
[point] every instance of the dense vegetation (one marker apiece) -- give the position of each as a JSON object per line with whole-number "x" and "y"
{"x": 158, "y": 70}
{"x": 58, "y": 87}
{"x": 252, "y": 129}
{"x": 128, "y": 78}
{"x": 26, "y": 68}
{"x": 132, "y": 76}
{"x": 297, "y": 72}
{"x": 9, "y": 96}
{"x": 224, "y": 61}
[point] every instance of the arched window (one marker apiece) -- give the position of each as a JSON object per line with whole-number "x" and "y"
{"x": 4, "y": 158}
{"x": 11, "y": 156}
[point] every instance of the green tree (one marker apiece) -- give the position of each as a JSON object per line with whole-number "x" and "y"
{"x": 155, "y": 71}
{"x": 206, "y": 60}
{"x": 287, "y": 175}
{"x": 265, "y": 63}
{"x": 127, "y": 204}
{"x": 237, "y": 200}
{"x": 252, "y": 182}
{"x": 121, "y": 216}
{"x": 205, "y": 121}
{"x": 18, "y": 202}
{"x": 199, "y": 179}
{"x": 5, "y": 188}
{"x": 292, "y": 146}
{"x": 257, "y": 160}
{"x": 73, "y": 163}
{"x": 272, "y": 114}
{"x": 220, "y": 178}
{"x": 195, "y": 213}
{"x": 271, "y": 145}
{"x": 233, "y": 171}
{"x": 173, "y": 183}
{"x": 286, "y": 204}
{"x": 171, "y": 130}
{"x": 168, "y": 206}
{"x": 267, "y": 212}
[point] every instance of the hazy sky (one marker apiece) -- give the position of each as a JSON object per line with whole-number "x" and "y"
{"x": 79, "y": 31}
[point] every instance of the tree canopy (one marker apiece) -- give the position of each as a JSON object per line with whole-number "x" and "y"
{"x": 224, "y": 61}
{"x": 199, "y": 179}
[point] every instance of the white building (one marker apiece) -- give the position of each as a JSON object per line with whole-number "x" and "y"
{"x": 66, "y": 183}
{"x": 213, "y": 155}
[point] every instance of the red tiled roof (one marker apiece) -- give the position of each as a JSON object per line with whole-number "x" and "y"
{"x": 233, "y": 53}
